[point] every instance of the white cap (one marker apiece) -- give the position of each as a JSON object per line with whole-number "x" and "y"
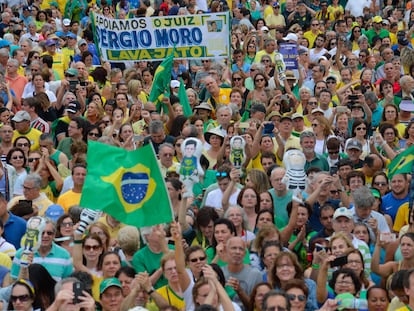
{"x": 174, "y": 84}
{"x": 66, "y": 22}
{"x": 291, "y": 37}
{"x": 264, "y": 28}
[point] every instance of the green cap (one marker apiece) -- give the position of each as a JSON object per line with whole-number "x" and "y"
{"x": 105, "y": 284}
{"x": 347, "y": 301}
{"x": 376, "y": 193}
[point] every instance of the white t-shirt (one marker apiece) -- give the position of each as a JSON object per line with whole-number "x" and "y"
{"x": 214, "y": 198}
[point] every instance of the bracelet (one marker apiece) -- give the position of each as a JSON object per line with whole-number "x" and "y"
{"x": 151, "y": 291}
{"x": 315, "y": 266}
{"x": 77, "y": 241}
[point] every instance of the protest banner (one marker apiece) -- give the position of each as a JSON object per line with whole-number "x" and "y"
{"x": 153, "y": 38}
{"x": 290, "y": 55}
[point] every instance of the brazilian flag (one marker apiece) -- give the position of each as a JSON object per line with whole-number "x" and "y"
{"x": 127, "y": 185}
{"x": 182, "y": 95}
{"x": 161, "y": 82}
{"x": 402, "y": 163}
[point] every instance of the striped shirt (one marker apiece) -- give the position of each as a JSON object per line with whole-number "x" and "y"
{"x": 57, "y": 262}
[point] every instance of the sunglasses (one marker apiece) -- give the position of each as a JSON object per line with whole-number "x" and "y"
{"x": 312, "y": 103}
{"x": 67, "y": 224}
{"x": 33, "y": 159}
{"x": 22, "y": 145}
{"x": 382, "y": 184}
{"x": 315, "y": 125}
{"x": 292, "y": 297}
{"x": 17, "y": 157}
{"x": 222, "y": 174}
{"x": 48, "y": 233}
{"x": 361, "y": 128}
{"x": 94, "y": 134}
{"x": 334, "y": 191}
{"x": 237, "y": 79}
{"x": 91, "y": 247}
{"x": 333, "y": 152}
{"x": 330, "y": 82}
{"x": 259, "y": 80}
{"x": 198, "y": 259}
{"x": 22, "y": 298}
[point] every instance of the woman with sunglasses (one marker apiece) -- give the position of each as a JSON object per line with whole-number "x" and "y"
{"x": 297, "y": 292}
{"x": 355, "y": 35}
{"x": 249, "y": 50}
{"x": 87, "y": 253}
{"x": 360, "y": 133}
{"x": 17, "y": 158}
{"x": 259, "y": 94}
{"x": 22, "y": 296}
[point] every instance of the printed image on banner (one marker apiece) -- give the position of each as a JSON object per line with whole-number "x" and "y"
{"x": 153, "y": 38}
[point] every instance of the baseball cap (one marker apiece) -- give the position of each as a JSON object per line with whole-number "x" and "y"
{"x": 406, "y": 105}
{"x": 316, "y": 110}
{"x": 403, "y": 41}
{"x": 21, "y": 116}
{"x": 73, "y": 107}
{"x": 354, "y": 144}
{"x": 376, "y": 193}
{"x": 82, "y": 42}
{"x": 204, "y": 106}
{"x": 286, "y": 117}
{"x": 258, "y": 108}
{"x": 377, "y": 19}
{"x": 27, "y": 8}
{"x": 72, "y": 72}
{"x": 290, "y": 75}
{"x": 174, "y": 84}
{"x": 71, "y": 35}
{"x": 4, "y": 43}
{"x": 296, "y": 116}
{"x": 50, "y": 42}
{"x": 105, "y": 284}
{"x": 54, "y": 211}
{"x": 291, "y": 36}
{"x": 343, "y": 212}
{"x": 66, "y": 22}
{"x": 273, "y": 114}
{"x": 331, "y": 77}
{"x": 264, "y": 28}
{"x": 275, "y": 4}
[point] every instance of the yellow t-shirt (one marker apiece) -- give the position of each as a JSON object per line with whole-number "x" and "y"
{"x": 69, "y": 199}
{"x": 33, "y": 135}
{"x": 172, "y": 297}
{"x": 401, "y": 219}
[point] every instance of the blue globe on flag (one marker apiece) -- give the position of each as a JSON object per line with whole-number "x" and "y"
{"x": 134, "y": 187}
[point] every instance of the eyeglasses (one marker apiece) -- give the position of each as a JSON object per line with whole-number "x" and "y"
{"x": 334, "y": 191}
{"x": 312, "y": 103}
{"x": 331, "y": 82}
{"x": 222, "y": 174}
{"x": 265, "y": 61}
{"x": 292, "y": 297}
{"x": 315, "y": 24}
{"x": 22, "y": 145}
{"x": 18, "y": 157}
{"x": 382, "y": 184}
{"x": 91, "y": 247}
{"x": 33, "y": 159}
{"x": 315, "y": 125}
{"x": 22, "y": 298}
{"x": 167, "y": 155}
{"x": 178, "y": 145}
{"x": 94, "y": 134}
{"x": 252, "y": 69}
{"x": 354, "y": 261}
{"x": 361, "y": 128}
{"x": 205, "y": 61}
{"x": 27, "y": 188}
{"x": 259, "y": 80}
{"x": 237, "y": 79}
{"x": 251, "y": 46}
{"x": 276, "y": 308}
{"x": 48, "y": 233}
{"x": 67, "y": 224}
{"x": 198, "y": 259}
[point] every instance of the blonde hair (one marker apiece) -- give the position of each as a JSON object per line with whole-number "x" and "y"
{"x": 128, "y": 239}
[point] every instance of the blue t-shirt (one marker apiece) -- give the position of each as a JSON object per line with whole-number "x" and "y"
{"x": 314, "y": 220}
{"x": 391, "y": 204}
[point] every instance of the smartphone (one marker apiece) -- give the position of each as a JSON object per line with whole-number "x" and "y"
{"x": 72, "y": 85}
{"x": 29, "y": 202}
{"x": 353, "y": 97}
{"x": 113, "y": 87}
{"x": 333, "y": 170}
{"x": 341, "y": 109}
{"x": 268, "y": 128}
{"x": 138, "y": 138}
{"x": 244, "y": 125}
{"x": 284, "y": 97}
{"x": 388, "y": 237}
{"x": 78, "y": 288}
{"x": 339, "y": 261}
{"x": 83, "y": 83}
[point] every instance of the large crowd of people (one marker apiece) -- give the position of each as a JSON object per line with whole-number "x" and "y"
{"x": 243, "y": 238}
